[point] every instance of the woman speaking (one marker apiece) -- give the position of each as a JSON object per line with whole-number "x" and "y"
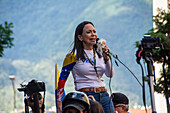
{"x": 87, "y": 67}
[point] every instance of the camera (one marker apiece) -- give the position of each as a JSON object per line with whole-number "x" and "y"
{"x": 149, "y": 43}
{"x": 33, "y": 86}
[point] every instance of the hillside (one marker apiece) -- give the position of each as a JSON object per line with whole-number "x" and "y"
{"x": 43, "y": 32}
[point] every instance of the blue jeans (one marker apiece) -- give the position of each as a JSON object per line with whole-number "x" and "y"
{"x": 104, "y": 99}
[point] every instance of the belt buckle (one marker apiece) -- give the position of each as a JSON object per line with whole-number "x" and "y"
{"x": 95, "y": 90}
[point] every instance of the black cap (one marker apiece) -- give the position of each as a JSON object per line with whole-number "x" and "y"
{"x": 74, "y": 104}
{"x": 119, "y": 98}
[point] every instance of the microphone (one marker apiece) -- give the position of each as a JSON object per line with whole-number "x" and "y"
{"x": 107, "y": 52}
{"x": 100, "y": 48}
{"x": 100, "y": 45}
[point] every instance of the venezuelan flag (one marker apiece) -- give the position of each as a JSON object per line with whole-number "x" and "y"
{"x": 61, "y": 78}
{"x": 57, "y": 75}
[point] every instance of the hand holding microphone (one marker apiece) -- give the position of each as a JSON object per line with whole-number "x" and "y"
{"x": 103, "y": 49}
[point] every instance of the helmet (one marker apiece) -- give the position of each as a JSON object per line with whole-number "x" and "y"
{"x": 76, "y": 98}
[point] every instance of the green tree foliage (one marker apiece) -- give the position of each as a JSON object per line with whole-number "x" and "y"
{"x": 162, "y": 30}
{"x": 6, "y": 41}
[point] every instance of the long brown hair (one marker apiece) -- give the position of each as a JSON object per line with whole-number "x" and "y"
{"x": 78, "y": 45}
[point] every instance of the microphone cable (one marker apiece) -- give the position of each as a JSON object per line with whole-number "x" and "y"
{"x": 143, "y": 88}
{"x": 110, "y": 82}
{"x": 139, "y": 54}
{"x": 116, "y": 57}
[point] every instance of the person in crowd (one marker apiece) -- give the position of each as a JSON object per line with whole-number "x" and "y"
{"x": 31, "y": 103}
{"x": 87, "y": 66}
{"x": 75, "y": 102}
{"x": 96, "y": 107}
{"x": 121, "y": 102}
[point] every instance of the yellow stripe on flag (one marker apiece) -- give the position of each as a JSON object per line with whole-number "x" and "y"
{"x": 70, "y": 58}
{"x": 57, "y": 75}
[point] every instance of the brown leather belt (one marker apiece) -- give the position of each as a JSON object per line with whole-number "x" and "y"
{"x": 96, "y": 90}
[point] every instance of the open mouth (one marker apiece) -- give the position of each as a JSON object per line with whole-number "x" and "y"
{"x": 92, "y": 39}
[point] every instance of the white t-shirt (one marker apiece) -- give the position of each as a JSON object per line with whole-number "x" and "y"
{"x": 85, "y": 75}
